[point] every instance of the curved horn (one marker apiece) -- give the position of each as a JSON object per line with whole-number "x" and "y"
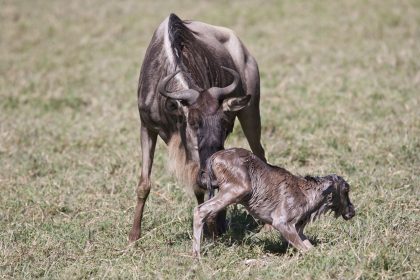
{"x": 187, "y": 95}
{"x": 217, "y": 92}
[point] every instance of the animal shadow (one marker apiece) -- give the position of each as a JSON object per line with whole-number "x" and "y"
{"x": 281, "y": 247}
{"x": 240, "y": 224}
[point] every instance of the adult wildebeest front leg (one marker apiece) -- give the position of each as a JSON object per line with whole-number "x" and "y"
{"x": 148, "y": 143}
{"x": 249, "y": 117}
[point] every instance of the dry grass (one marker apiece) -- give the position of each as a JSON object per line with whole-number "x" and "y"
{"x": 340, "y": 93}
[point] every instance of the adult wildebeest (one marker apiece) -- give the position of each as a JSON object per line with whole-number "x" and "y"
{"x": 271, "y": 194}
{"x": 195, "y": 79}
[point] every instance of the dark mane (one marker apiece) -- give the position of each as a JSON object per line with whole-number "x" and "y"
{"x": 200, "y": 63}
{"x": 312, "y": 179}
{"x": 179, "y": 34}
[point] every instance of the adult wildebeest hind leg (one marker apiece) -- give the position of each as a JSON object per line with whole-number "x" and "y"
{"x": 249, "y": 117}
{"x": 148, "y": 143}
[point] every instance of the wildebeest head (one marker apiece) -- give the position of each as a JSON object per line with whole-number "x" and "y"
{"x": 341, "y": 203}
{"x": 207, "y": 115}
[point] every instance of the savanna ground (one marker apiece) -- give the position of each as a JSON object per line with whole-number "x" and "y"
{"x": 340, "y": 94}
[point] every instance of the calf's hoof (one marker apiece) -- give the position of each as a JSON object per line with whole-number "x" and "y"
{"x": 267, "y": 228}
{"x": 308, "y": 244}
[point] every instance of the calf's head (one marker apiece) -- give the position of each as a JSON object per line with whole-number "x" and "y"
{"x": 207, "y": 115}
{"x": 340, "y": 200}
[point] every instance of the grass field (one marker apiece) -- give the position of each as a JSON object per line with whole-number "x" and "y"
{"x": 340, "y": 94}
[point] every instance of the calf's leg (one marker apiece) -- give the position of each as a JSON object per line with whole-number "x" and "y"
{"x": 291, "y": 235}
{"x": 215, "y": 226}
{"x": 302, "y": 236}
{"x": 206, "y": 211}
{"x": 210, "y": 208}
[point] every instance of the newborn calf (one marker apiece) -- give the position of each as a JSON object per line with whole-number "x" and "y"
{"x": 271, "y": 194}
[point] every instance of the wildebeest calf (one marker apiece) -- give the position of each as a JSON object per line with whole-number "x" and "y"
{"x": 271, "y": 194}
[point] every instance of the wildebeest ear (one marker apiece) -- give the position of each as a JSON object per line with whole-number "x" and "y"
{"x": 328, "y": 190}
{"x": 333, "y": 178}
{"x": 236, "y": 103}
{"x": 329, "y": 184}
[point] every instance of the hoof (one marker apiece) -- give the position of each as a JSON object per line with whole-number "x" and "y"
{"x": 133, "y": 236}
{"x": 267, "y": 228}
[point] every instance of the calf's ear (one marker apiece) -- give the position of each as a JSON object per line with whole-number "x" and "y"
{"x": 329, "y": 184}
{"x": 328, "y": 189}
{"x": 236, "y": 103}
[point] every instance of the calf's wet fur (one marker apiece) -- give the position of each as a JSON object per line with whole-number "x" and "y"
{"x": 270, "y": 193}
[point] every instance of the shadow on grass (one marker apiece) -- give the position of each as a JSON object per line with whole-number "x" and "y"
{"x": 280, "y": 248}
{"x": 243, "y": 229}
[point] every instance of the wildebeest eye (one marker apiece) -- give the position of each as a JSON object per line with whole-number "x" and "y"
{"x": 194, "y": 119}
{"x": 193, "y": 122}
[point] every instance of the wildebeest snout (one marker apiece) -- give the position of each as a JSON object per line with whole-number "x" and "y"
{"x": 349, "y": 213}
{"x": 202, "y": 179}
{"x": 205, "y": 181}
